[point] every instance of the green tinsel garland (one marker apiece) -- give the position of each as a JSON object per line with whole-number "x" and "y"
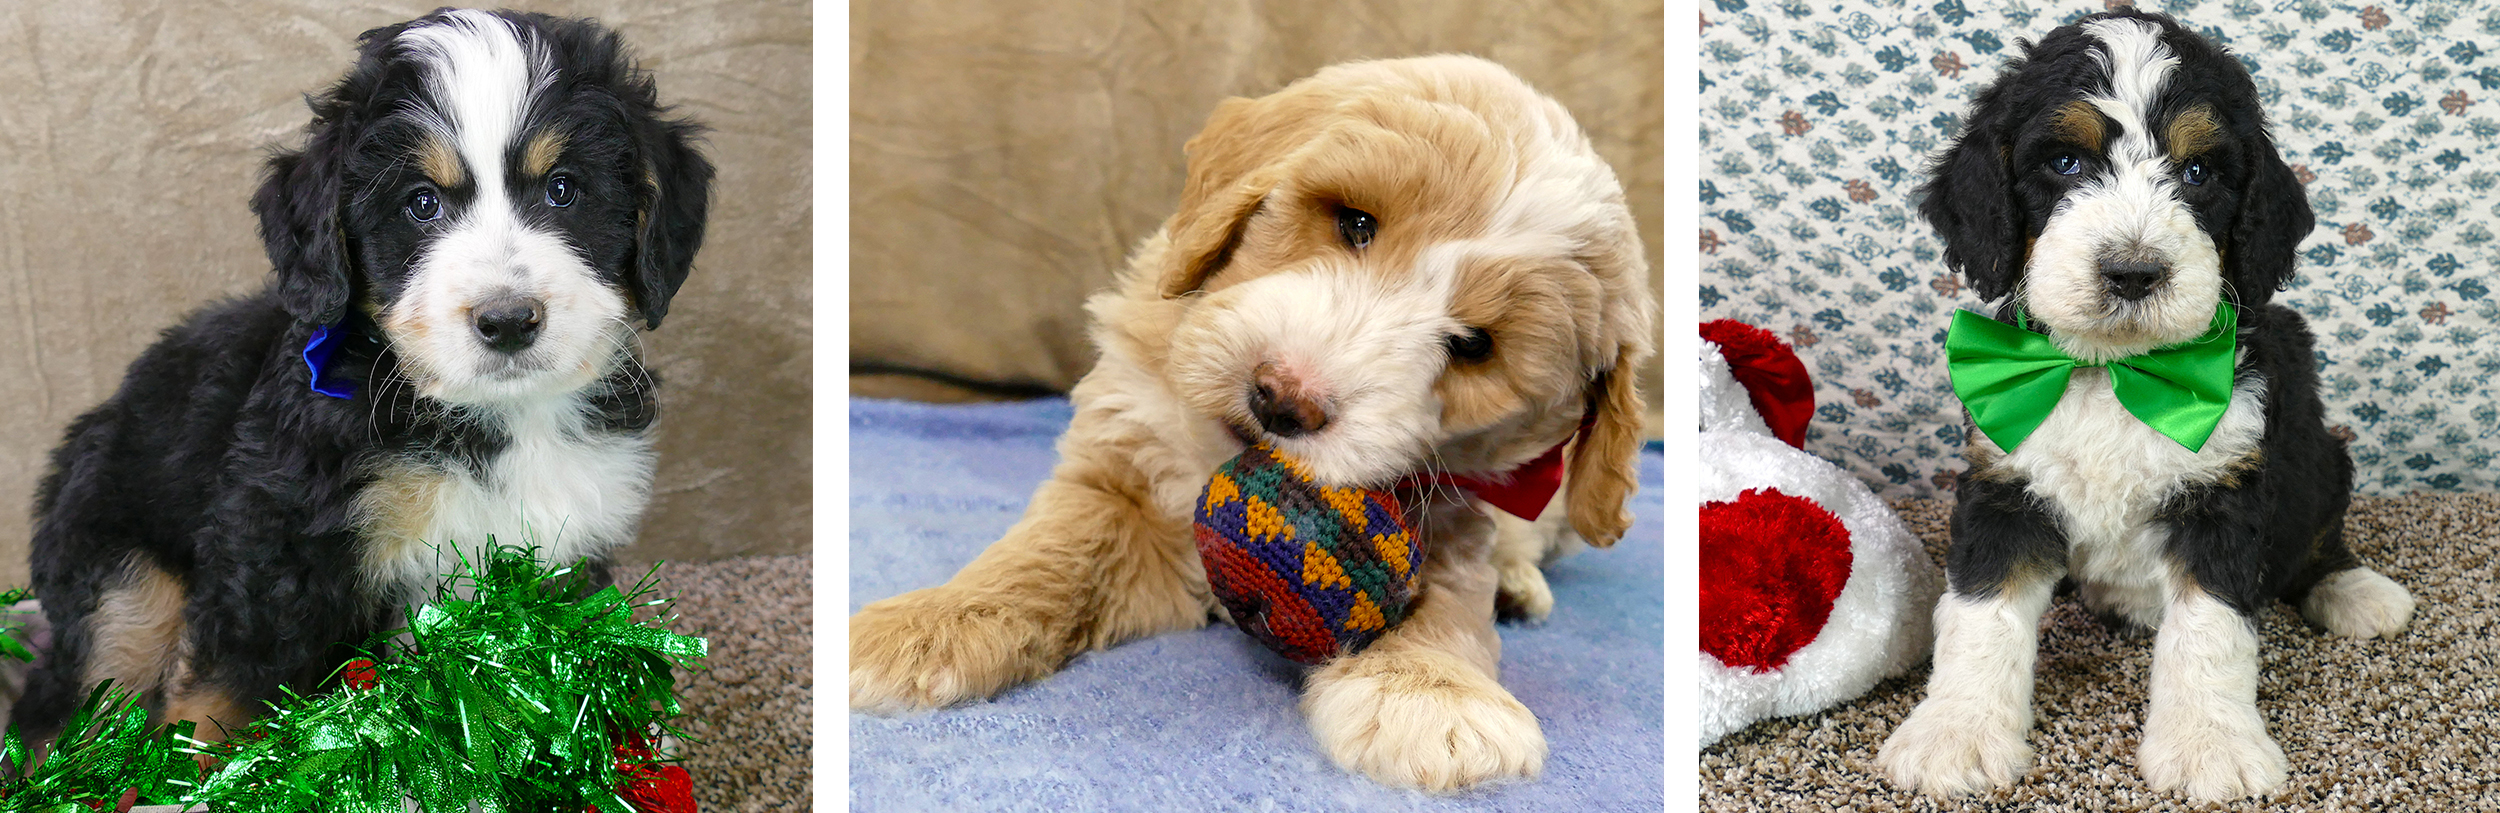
{"x": 514, "y": 699}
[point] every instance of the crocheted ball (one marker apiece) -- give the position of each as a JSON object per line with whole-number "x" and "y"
{"x": 1312, "y": 572}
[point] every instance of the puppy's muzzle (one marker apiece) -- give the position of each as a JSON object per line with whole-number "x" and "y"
{"x": 2132, "y": 280}
{"x": 1283, "y": 405}
{"x": 508, "y": 324}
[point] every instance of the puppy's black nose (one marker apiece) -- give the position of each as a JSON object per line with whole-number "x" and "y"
{"x": 508, "y": 324}
{"x": 2132, "y": 280}
{"x": 1282, "y": 405}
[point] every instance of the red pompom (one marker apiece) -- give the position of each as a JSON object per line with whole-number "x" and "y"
{"x": 1771, "y": 566}
{"x": 1774, "y": 379}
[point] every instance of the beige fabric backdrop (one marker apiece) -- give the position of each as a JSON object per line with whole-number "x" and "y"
{"x": 131, "y": 135}
{"x": 1006, "y": 155}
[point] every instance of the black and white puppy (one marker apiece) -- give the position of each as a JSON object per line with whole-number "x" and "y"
{"x": 486, "y": 207}
{"x": 2116, "y": 183}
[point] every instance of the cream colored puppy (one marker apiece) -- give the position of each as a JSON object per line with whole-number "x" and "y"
{"x": 1387, "y": 268}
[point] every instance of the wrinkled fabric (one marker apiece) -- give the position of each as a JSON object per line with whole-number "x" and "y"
{"x": 1006, "y": 156}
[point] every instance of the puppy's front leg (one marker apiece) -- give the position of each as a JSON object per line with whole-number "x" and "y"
{"x": 1968, "y": 734}
{"x": 1421, "y": 708}
{"x": 1092, "y": 563}
{"x": 2202, "y": 732}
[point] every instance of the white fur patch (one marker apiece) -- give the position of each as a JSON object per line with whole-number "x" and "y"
{"x": 570, "y": 491}
{"x": 2104, "y": 474}
{"x": 1969, "y": 733}
{"x": 481, "y": 76}
{"x": 1372, "y": 348}
{"x": 2358, "y": 603}
{"x": 2202, "y": 732}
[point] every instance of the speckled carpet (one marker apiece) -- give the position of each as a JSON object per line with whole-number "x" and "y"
{"x": 748, "y": 712}
{"x": 2411, "y": 723}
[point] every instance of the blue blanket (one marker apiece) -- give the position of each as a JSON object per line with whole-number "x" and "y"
{"x": 1207, "y": 720}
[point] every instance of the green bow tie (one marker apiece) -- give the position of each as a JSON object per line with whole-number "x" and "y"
{"x": 2009, "y": 378}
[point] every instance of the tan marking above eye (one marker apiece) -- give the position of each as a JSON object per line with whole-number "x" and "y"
{"x": 540, "y": 156}
{"x": 441, "y": 163}
{"x": 2194, "y": 132}
{"x": 2080, "y": 123}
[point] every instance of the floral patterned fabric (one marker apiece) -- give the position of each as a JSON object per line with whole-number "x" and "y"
{"x": 1818, "y": 120}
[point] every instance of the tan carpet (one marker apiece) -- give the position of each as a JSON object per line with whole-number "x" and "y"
{"x": 749, "y": 712}
{"x": 2406, "y": 724}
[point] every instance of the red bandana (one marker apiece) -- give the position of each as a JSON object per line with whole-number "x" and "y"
{"x": 1522, "y": 491}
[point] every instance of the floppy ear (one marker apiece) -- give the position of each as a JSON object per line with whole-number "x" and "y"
{"x": 1605, "y": 464}
{"x": 1970, "y": 200}
{"x": 2274, "y": 217}
{"x": 669, "y": 208}
{"x": 1234, "y": 162}
{"x": 1204, "y": 235}
{"x": 298, "y": 207}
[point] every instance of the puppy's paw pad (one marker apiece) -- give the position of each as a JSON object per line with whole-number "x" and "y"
{"x": 1421, "y": 720}
{"x": 1523, "y": 594}
{"x": 2212, "y": 762}
{"x": 918, "y": 651}
{"x": 2359, "y": 603}
{"x": 1945, "y": 756}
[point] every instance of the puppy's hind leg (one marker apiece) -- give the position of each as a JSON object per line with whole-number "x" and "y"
{"x": 2359, "y": 603}
{"x": 1091, "y": 564}
{"x": 1521, "y": 550}
{"x": 128, "y": 637}
{"x": 1422, "y": 707}
{"x": 2352, "y": 600}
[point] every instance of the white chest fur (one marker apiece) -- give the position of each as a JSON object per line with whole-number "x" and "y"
{"x": 2104, "y": 474}
{"x": 569, "y": 491}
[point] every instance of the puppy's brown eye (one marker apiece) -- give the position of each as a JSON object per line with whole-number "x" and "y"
{"x": 1473, "y": 344}
{"x": 1356, "y": 227}
{"x": 560, "y": 191}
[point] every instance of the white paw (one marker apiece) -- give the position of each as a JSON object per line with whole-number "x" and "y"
{"x": 1943, "y": 753}
{"x": 2358, "y": 603}
{"x": 1420, "y": 719}
{"x": 2212, "y": 759}
{"x": 1523, "y": 592}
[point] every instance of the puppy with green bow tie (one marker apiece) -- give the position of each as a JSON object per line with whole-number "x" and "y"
{"x": 2143, "y": 422}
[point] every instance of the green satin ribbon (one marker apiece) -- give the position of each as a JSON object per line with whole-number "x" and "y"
{"x": 2009, "y": 378}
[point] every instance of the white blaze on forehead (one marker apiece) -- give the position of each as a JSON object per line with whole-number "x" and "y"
{"x": 2138, "y": 66}
{"x": 480, "y": 75}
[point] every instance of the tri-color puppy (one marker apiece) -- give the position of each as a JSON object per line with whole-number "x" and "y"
{"x": 487, "y": 209}
{"x": 2116, "y": 183}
